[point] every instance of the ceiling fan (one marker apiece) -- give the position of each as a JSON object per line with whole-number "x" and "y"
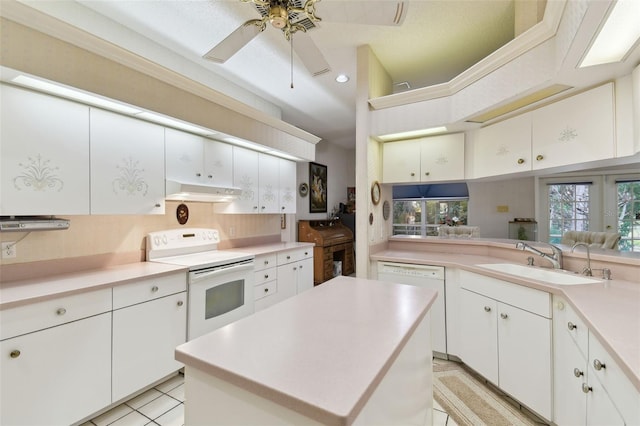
{"x": 299, "y": 16}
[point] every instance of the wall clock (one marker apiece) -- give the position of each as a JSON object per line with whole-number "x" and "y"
{"x": 375, "y": 193}
{"x": 182, "y": 214}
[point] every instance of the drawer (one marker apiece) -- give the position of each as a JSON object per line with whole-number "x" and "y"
{"x": 265, "y": 261}
{"x": 523, "y": 297}
{"x": 265, "y": 275}
{"x": 264, "y": 290}
{"x": 294, "y": 255}
{"x": 576, "y": 328}
{"x": 48, "y": 313}
{"x": 148, "y": 289}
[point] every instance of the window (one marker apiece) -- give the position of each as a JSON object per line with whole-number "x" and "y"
{"x": 424, "y": 216}
{"x": 568, "y": 209}
{"x": 628, "y": 202}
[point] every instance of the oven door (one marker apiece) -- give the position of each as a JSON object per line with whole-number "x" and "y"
{"x": 218, "y": 297}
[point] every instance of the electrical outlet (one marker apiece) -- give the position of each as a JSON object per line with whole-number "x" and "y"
{"x": 232, "y": 231}
{"x": 9, "y": 250}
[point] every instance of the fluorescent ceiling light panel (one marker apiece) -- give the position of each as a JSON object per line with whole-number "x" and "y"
{"x": 77, "y": 95}
{"x": 160, "y": 119}
{"x": 618, "y": 35}
{"x": 412, "y": 134}
{"x": 246, "y": 144}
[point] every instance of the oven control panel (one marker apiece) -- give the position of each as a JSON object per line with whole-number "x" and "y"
{"x": 162, "y": 243}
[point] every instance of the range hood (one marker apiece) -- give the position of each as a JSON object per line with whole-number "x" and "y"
{"x": 180, "y": 191}
{"x": 32, "y": 223}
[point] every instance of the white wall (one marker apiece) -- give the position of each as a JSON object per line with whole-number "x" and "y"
{"x": 341, "y": 173}
{"x": 485, "y": 197}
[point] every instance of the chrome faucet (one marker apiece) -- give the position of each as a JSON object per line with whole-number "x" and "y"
{"x": 555, "y": 258}
{"x": 587, "y": 270}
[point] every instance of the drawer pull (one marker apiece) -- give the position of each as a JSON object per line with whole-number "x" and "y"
{"x": 577, "y": 372}
{"x": 266, "y": 290}
{"x": 539, "y": 157}
{"x": 571, "y": 326}
{"x": 598, "y": 365}
{"x": 266, "y": 262}
{"x": 586, "y": 388}
{"x": 520, "y": 160}
{"x": 154, "y": 288}
{"x": 288, "y": 257}
{"x": 266, "y": 276}
{"x": 61, "y": 311}
{"x": 504, "y": 316}
{"x": 180, "y": 303}
{"x": 14, "y": 353}
{"x": 487, "y": 309}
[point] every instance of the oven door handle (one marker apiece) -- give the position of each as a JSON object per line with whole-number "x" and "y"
{"x": 204, "y": 275}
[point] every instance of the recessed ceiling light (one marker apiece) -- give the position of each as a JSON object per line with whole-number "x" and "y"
{"x": 342, "y": 78}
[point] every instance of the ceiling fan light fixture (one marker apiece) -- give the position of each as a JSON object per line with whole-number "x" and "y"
{"x": 278, "y": 17}
{"x": 342, "y": 78}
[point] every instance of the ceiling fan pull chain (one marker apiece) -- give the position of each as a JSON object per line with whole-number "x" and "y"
{"x": 291, "y": 42}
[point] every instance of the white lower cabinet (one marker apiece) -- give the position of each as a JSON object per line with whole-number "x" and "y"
{"x": 580, "y": 396}
{"x": 58, "y": 375}
{"x": 506, "y": 334}
{"x": 265, "y": 281}
{"x": 146, "y": 332}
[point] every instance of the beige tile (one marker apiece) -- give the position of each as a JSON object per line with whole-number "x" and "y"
{"x": 177, "y": 393}
{"x": 158, "y": 406}
{"x": 144, "y": 398}
{"x": 174, "y": 417}
{"x": 132, "y": 419}
{"x": 112, "y": 415}
{"x": 172, "y": 383}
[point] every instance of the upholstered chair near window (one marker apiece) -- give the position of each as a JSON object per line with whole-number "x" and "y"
{"x": 605, "y": 240}
{"x": 462, "y": 231}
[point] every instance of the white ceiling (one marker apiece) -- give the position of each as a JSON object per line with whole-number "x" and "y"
{"x": 437, "y": 41}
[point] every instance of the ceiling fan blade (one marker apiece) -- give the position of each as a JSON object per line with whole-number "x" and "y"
{"x": 233, "y": 42}
{"x": 373, "y": 12}
{"x": 309, "y": 54}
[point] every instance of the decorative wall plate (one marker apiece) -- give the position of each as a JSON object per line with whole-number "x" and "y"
{"x": 375, "y": 193}
{"x": 386, "y": 209}
{"x": 182, "y": 214}
{"x": 303, "y": 189}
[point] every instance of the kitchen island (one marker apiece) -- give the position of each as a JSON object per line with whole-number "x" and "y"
{"x": 352, "y": 351}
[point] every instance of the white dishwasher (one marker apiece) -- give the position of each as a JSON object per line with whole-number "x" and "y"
{"x": 427, "y": 276}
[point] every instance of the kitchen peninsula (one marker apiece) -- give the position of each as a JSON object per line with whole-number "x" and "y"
{"x": 336, "y": 354}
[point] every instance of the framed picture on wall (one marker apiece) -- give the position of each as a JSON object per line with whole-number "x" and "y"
{"x": 317, "y": 188}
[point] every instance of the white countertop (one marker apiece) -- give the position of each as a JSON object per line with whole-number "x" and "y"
{"x": 611, "y": 309}
{"x": 321, "y": 353}
{"x": 258, "y": 250}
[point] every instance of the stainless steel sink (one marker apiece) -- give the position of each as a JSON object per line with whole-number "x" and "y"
{"x": 550, "y": 276}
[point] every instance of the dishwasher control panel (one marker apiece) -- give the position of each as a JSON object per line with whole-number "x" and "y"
{"x": 411, "y": 270}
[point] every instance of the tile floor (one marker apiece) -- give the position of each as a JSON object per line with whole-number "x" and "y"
{"x": 163, "y": 405}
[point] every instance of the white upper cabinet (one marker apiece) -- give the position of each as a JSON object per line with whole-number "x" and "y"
{"x": 287, "y": 186}
{"x": 127, "y": 165}
{"x": 268, "y": 194}
{"x": 44, "y": 154}
{"x": 575, "y": 130}
{"x": 431, "y": 159}
{"x": 197, "y": 160}
{"x": 503, "y": 148}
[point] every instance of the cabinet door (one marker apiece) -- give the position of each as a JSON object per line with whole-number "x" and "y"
{"x": 401, "y": 161}
{"x": 442, "y": 158}
{"x": 524, "y": 347}
{"x": 305, "y": 275}
{"x": 127, "y": 165}
{"x": 245, "y": 177}
{"x": 218, "y": 163}
{"x": 268, "y": 185}
{"x": 479, "y": 347}
{"x": 503, "y": 148}
{"x": 144, "y": 339}
{"x": 44, "y": 154}
{"x": 575, "y": 130}
{"x": 287, "y": 186}
{"x": 56, "y": 376}
{"x": 184, "y": 153}
{"x": 600, "y": 408}
{"x": 287, "y": 281}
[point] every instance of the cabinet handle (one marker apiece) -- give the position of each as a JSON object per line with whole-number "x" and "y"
{"x": 210, "y": 176}
{"x": 520, "y": 160}
{"x": 577, "y": 372}
{"x": 598, "y": 365}
{"x": 539, "y": 157}
{"x": 266, "y": 262}
{"x": 180, "y": 303}
{"x": 586, "y": 388}
{"x": 306, "y": 253}
{"x": 426, "y": 173}
{"x": 288, "y": 257}
{"x": 154, "y": 288}
{"x": 504, "y": 316}
{"x": 487, "y": 309}
{"x": 413, "y": 174}
{"x": 266, "y": 276}
{"x": 158, "y": 205}
{"x": 266, "y": 290}
{"x": 571, "y": 326}
{"x": 255, "y": 207}
{"x": 300, "y": 266}
{"x": 282, "y": 208}
{"x": 61, "y": 311}
{"x": 198, "y": 174}
{"x": 263, "y": 207}
{"x": 14, "y": 353}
